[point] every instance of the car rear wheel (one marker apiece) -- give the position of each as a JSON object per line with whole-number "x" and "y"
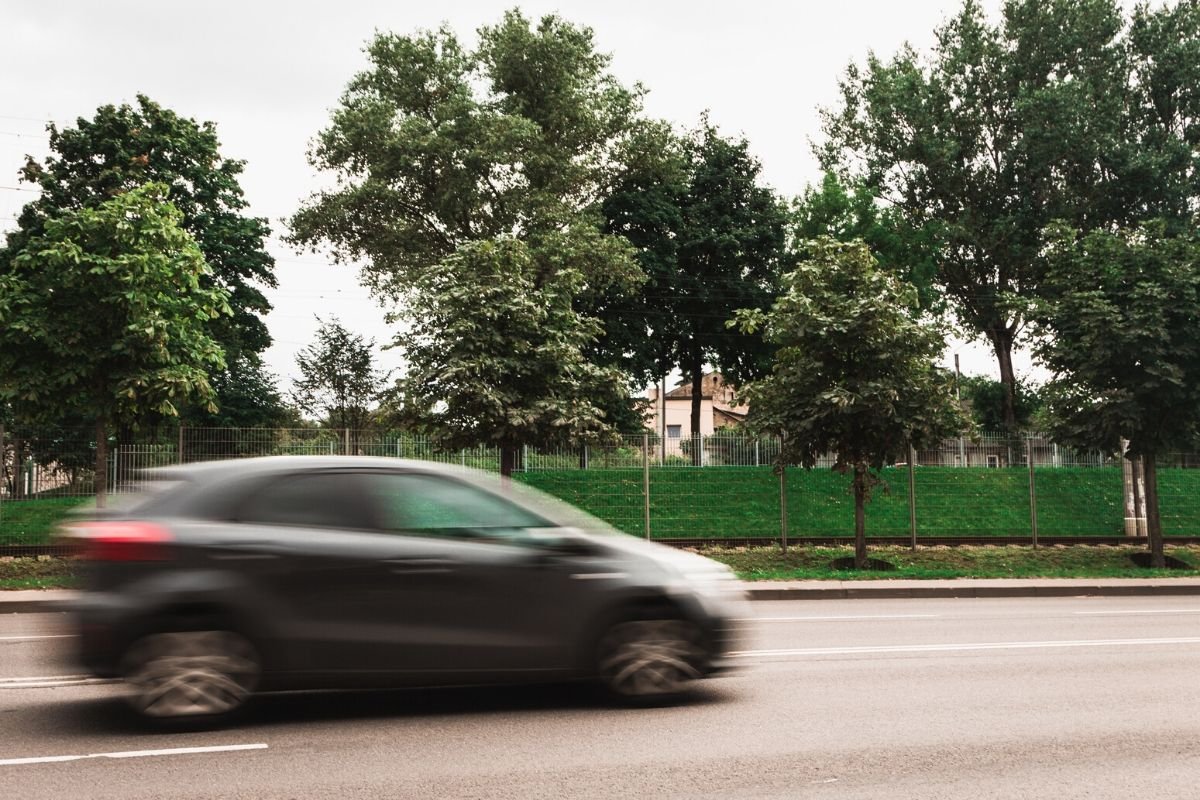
{"x": 201, "y": 676}
{"x": 648, "y": 660}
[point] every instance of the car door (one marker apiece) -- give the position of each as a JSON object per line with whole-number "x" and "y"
{"x": 310, "y": 542}
{"x": 475, "y": 590}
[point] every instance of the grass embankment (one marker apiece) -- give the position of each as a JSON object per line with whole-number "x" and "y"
{"x": 1057, "y": 561}
{"x": 42, "y": 572}
{"x": 744, "y": 501}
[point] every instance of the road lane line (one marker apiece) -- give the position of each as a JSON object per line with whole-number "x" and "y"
{"x": 174, "y": 751}
{"x": 29, "y": 638}
{"x": 847, "y": 618}
{"x": 950, "y": 648}
{"x": 1145, "y": 611}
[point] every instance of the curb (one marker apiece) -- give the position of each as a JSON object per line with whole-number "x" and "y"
{"x": 52, "y": 601}
{"x": 911, "y": 592}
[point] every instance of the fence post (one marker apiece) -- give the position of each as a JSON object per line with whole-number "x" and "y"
{"x": 783, "y": 518}
{"x": 1032, "y": 492}
{"x": 912, "y": 495}
{"x": 179, "y": 447}
{"x": 346, "y": 439}
{"x": 646, "y": 482}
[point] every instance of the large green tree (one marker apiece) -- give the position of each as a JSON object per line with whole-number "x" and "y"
{"x": 853, "y": 372}
{"x": 1004, "y": 127}
{"x": 1118, "y": 318}
{"x": 105, "y": 315}
{"x": 123, "y": 147}
{"x": 497, "y": 355}
{"x": 711, "y": 239}
{"x": 446, "y": 156}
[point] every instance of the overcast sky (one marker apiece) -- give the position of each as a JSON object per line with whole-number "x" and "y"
{"x": 268, "y": 73}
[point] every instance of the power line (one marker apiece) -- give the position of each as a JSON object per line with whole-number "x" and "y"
{"x": 20, "y": 189}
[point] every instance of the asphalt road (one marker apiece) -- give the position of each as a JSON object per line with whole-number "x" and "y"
{"x": 1012, "y": 698}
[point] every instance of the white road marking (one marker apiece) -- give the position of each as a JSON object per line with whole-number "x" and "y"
{"x": 52, "y": 681}
{"x": 950, "y": 648}
{"x": 1147, "y": 611}
{"x": 30, "y": 638}
{"x": 175, "y": 751}
{"x": 838, "y": 618}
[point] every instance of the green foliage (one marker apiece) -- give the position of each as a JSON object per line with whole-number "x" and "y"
{"x": 496, "y": 356}
{"x": 104, "y": 314}
{"x": 710, "y": 239}
{"x": 847, "y": 214}
{"x": 1004, "y": 128}
{"x": 853, "y": 372}
{"x": 124, "y": 147}
{"x": 465, "y": 175}
{"x": 1117, "y": 322}
{"x": 338, "y": 380}
{"x": 986, "y": 399}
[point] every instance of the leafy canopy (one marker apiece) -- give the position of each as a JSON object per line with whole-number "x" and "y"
{"x": 853, "y": 372}
{"x": 105, "y": 313}
{"x": 124, "y": 147}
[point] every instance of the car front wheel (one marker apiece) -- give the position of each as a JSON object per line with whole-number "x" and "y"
{"x": 648, "y": 660}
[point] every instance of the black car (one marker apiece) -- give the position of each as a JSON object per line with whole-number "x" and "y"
{"x": 341, "y": 572}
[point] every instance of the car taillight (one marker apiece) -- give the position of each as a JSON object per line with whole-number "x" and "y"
{"x": 121, "y": 540}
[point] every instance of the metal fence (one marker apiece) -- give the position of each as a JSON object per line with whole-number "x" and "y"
{"x": 718, "y": 486}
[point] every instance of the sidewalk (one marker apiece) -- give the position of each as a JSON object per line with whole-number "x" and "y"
{"x": 28, "y": 601}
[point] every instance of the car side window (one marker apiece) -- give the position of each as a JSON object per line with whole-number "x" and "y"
{"x": 318, "y": 500}
{"x": 430, "y": 505}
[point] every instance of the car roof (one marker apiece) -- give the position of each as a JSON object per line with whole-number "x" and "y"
{"x": 202, "y": 471}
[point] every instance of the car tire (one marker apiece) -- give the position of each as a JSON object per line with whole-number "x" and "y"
{"x": 192, "y": 678}
{"x": 650, "y": 659}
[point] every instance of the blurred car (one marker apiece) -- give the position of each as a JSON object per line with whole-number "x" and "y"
{"x": 342, "y": 572}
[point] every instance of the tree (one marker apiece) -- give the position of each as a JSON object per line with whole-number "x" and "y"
{"x": 495, "y": 158}
{"x": 105, "y": 313}
{"x": 711, "y": 240}
{"x": 338, "y": 379}
{"x": 856, "y": 213}
{"x": 1117, "y": 330}
{"x": 123, "y": 147}
{"x": 985, "y": 397}
{"x": 1002, "y": 130}
{"x": 853, "y": 372}
{"x": 497, "y": 356}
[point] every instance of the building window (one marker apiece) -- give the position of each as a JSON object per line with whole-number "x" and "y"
{"x": 993, "y": 461}
{"x": 674, "y": 431}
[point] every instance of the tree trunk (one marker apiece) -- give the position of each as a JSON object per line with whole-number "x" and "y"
{"x": 697, "y": 369}
{"x": 1002, "y": 344}
{"x": 101, "y": 480}
{"x": 1153, "y": 520}
{"x": 508, "y": 460}
{"x": 18, "y": 471}
{"x": 860, "y": 522}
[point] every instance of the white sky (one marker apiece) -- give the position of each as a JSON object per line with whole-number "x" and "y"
{"x": 267, "y": 73}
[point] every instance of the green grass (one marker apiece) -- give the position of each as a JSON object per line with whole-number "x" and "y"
{"x": 1058, "y": 561}
{"x": 744, "y": 501}
{"x": 732, "y": 502}
{"x": 34, "y": 521}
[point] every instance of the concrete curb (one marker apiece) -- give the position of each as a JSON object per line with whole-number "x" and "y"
{"x": 59, "y": 600}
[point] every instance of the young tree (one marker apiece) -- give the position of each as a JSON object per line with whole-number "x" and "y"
{"x": 338, "y": 379}
{"x": 1005, "y": 128}
{"x": 985, "y": 397}
{"x": 711, "y": 240}
{"x": 447, "y": 157}
{"x": 105, "y": 314}
{"x": 1117, "y": 324}
{"x": 123, "y": 147}
{"x": 497, "y": 356}
{"x": 853, "y": 371}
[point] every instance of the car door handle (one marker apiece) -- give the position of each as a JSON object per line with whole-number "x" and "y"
{"x": 420, "y": 566}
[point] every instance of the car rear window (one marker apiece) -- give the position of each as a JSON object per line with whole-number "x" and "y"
{"x": 322, "y": 500}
